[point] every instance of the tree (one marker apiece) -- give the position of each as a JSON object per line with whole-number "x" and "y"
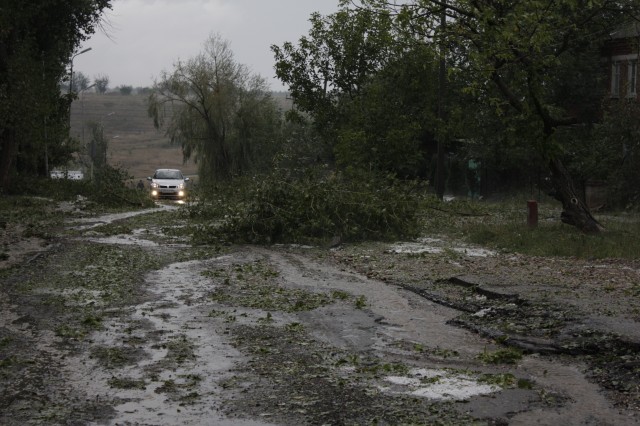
{"x": 333, "y": 62}
{"x": 37, "y": 41}
{"x": 347, "y": 75}
{"x": 389, "y": 126}
{"x": 220, "y": 113}
{"x": 80, "y": 82}
{"x": 125, "y": 90}
{"x": 523, "y": 49}
{"x": 102, "y": 83}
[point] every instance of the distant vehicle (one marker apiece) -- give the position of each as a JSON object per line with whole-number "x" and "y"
{"x": 67, "y": 174}
{"x": 168, "y": 183}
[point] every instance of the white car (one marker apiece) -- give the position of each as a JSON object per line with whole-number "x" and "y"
{"x": 168, "y": 183}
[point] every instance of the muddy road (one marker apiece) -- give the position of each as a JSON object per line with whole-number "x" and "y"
{"x": 120, "y": 321}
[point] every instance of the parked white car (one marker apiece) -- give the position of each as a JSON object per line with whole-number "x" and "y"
{"x": 168, "y": 183}
{"x": 67, "y": 174}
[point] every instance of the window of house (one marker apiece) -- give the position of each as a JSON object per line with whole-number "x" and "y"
{"x": 632, "y": 70}
{"x": 615, "y": 79}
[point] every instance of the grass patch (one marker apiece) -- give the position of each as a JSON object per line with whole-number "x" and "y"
{"x": 252, "y": 285}
{"x": 505, "y": 381}
{"x": 559, "y": 240}
{"x": 502, "y": 226}
{"x": 501, "y": 356}
{"x": 181, "y": 350}
{"x": 271, "y": 298}
{"x": 68, "y": 332}
{"x": 116, "y": 357}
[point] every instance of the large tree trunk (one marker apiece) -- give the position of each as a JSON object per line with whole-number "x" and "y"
{"x": 574, "y": 211}
{"x": 8, "y": 152}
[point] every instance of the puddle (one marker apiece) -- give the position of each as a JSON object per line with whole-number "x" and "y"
{"x": 93, "y": 222}
{"x": 437, "y": 246}
{"x": 389, "y": 324}
{"x": 138, "y": 237}
{"x": 123, "y": 239}
{"x": 178, "y": 312}
{"x": 440, "y": 385}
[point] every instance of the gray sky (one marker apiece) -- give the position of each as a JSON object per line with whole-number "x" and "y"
{"x": 146, "y": 37}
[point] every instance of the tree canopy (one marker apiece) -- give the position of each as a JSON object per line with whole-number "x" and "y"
{"x": 221, "y": 114}
{"x": 37, "y": 41}
{"x": 523, "y": 58}
{"x": 515, "y": 63}
{"x": 367, "y": 90}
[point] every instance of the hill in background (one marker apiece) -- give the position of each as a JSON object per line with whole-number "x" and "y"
{"x": 134, "y": 144}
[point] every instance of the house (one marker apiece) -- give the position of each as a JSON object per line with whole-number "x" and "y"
{"x": 621, "y": 57}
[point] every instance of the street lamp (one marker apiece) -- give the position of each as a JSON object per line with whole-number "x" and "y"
{"x": 71, "y": 73}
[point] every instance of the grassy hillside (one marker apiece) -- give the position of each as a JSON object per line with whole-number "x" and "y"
{"x": 134, "y": 143}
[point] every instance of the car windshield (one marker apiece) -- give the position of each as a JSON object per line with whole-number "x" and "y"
{"x": 168, "y": 174}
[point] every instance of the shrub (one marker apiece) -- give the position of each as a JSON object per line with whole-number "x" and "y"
{"x": 314, "y": 207}
{"x": 107, "y": 189}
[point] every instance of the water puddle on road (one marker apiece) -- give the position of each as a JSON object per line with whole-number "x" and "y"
{"x": 437, "y": 246}
{"x": 184, "y": 357}
{"x": 83, "y": 224}
{"x": 437, "y": 384}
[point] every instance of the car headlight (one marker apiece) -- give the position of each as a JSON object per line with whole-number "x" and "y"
{"x": 181, "y": 186}
{"x": 153, "y": 185}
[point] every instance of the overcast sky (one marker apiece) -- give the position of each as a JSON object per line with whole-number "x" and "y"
{"x": 145, "y": 37}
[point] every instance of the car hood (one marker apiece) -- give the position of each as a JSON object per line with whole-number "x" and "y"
{"x": 168, "y": 182}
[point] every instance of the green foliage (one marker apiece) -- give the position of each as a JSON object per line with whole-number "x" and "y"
{"x": 557, "y": 240}
{"x": 108, "y": 189}
{"x": 314, "y": 207}
{"x": 388, "y": 126}
{"x": 222, "y": 115}
{"x": 519, "y": 62}
{"x": 501, "y": 356}
{"x": 335, "y": 60}
{"x": 125, "y": 90}
{"x": 502, "y": 225}
{"x": 126, "y": 383}
{"x": 102, "y": 83}
{"x": 37, "y": 41}
{"x": 370, "y": 98}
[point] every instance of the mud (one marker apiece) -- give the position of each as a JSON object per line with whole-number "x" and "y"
{"x": 142, "y": 328}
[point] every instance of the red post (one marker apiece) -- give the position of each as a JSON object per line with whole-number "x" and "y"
{"x": 532, "y": 218}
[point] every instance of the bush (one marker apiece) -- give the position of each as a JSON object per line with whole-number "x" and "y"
{"x": 315, "y": 207}
{"x": 107, "y": 189}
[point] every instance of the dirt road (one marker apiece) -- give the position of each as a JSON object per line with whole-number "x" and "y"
{"x": 122, "y": 322}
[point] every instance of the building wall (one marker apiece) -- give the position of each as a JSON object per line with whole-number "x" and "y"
{"x": 621, "y": 65}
